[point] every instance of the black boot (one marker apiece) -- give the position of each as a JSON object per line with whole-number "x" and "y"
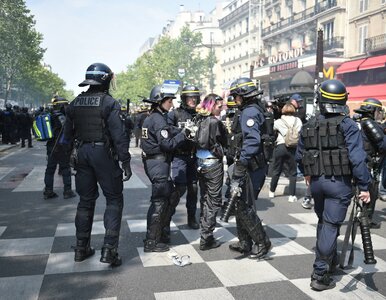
{"x": 49, "y": 194}
{"x": 260, "y": 249}
{"x": 165, "y": 235}
{"x": 83, "y": 250}
{"x": 68, "y": 193}
{"x": 192, "y": 223}
{"x": 210, "y": 243}
{"x": 321, "y": 283}
{"x": 243, "y": 247}
{"x": 109, "y": 255}
{"x": 154, "y": 246}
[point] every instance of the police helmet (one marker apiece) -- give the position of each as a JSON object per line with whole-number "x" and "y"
{"x": 97, "y": 74}
{"x": 190, "y": 91}
{"x": 58, "y": 102}
{"x": 332, "y": 97}
{"x": 231, "y": 101}
{"x": 244, "y": 87}
{"x": 370, "y": 106}
{"x": 157, "y": 96}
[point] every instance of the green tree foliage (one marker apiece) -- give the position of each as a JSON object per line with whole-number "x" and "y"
{"x": 22, "y": 76}
{"x": 163, "y": 62}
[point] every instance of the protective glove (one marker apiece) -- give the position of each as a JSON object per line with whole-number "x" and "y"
{"x": 126, "y": 169}
{"x": 239, "y": 171}
{"x": 186, "y": 132}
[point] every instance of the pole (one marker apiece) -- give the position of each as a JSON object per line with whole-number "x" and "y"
{"x": 211, "y": 83}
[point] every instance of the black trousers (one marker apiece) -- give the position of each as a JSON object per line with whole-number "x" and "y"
{"x": 282, "y": 155}
{"x": 96, "y": 166}
{"x": 211, "y": 181}
{"x": 164, "y": 198}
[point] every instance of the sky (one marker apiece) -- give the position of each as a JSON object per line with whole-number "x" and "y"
{"x": 77, "y": 33}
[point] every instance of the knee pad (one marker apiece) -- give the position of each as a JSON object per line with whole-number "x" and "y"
{"x": 162, "y": 189}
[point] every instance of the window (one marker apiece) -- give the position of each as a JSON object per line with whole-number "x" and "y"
{"x": 247, "y": 25}
{"x": 362, "y": 38}
{"x": 328, "y": 30}
{"x": 363, "y": 5}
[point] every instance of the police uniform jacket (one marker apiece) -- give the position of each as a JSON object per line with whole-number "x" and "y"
{"x": 157, "y": 136}
{"x": 105, "y": 108}
{"x": 251, "y": 121}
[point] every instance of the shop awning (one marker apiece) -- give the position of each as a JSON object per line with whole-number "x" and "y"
{"x": 361, "y": 92}
{"x": 349, "y": 66}
{"x": 373, "y": 62}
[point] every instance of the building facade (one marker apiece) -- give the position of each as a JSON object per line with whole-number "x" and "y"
{"x": 365, "y": 71}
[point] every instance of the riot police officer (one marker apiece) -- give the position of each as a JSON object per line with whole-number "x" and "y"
{"x": 94, "y": 123}
{"x": 250, "y": 167}
{"x": 158, "y": 142}
{"x": 184, "y": 164}
{"x": 374, "y": 142}
{"x": 331, "y": 153}
{"x": 58, "y": 152}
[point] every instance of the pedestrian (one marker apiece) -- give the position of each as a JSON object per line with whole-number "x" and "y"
{"x": 100, "y": 142}
{"x": 250, "y": 167}
{"x": 211, "y": 139}
{"x": 158, "y": 142}
{"x": 331, "y": 154}
{"x": 184, "y": 164}
{"x": 285, "y": 153}
{"x": 58, "y": 152}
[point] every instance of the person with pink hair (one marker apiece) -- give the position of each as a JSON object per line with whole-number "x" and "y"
{"x": 211, "y": 138}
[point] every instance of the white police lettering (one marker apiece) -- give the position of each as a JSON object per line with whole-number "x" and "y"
{"x": 164, "y": 133}
{"x": 250, "y": 122}
{"x": 87, "y": 101}
{"x": 144, "y": 133}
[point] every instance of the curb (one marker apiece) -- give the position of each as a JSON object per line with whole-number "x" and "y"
{"x": 6, "y": 147}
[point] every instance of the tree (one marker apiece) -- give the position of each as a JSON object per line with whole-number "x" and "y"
{"x": 163, "y": 62}
{"x": 19, "y": 44}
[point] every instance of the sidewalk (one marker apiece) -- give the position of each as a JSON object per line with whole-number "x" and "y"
{"x": 6, "y": 147}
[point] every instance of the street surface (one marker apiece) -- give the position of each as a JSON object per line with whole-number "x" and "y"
{"x": 36, "y": 259}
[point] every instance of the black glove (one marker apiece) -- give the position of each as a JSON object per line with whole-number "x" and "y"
{"x": 126, "y": 169}
{"x": 186, "y": 132}
{"x": 239, "y": 173}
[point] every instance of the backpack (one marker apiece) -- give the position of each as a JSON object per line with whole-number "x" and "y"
{"x": 292, "y": 137}
{"x": 42, "y": 127}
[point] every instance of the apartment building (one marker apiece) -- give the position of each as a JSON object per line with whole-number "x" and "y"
{"x": 365, "y": 72}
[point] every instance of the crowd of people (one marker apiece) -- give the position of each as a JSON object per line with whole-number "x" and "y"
{"x": 185, "y": 149}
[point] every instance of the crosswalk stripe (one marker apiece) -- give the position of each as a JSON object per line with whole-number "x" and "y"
{"x": 4, "y": 171}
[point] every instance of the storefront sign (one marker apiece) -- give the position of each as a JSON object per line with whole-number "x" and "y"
{"x": 280, "y": 57}
{"x": 283, "y": 67}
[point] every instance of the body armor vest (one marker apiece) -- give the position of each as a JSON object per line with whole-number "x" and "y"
{"x": 325, "y": 151}
{"x": 88, "y": 118}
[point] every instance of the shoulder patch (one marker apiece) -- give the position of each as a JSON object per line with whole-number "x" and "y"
{"x": 250, "y": 122}
{"x": 164, "y": 133}
{"x": 144, "y": 133}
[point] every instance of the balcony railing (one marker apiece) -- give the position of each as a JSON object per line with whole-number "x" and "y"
{"x": 301, "y": 16}
{"x": 234, "y": 14}
{"x": 335, "y": 43}
{"x": 376, "y": 43}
